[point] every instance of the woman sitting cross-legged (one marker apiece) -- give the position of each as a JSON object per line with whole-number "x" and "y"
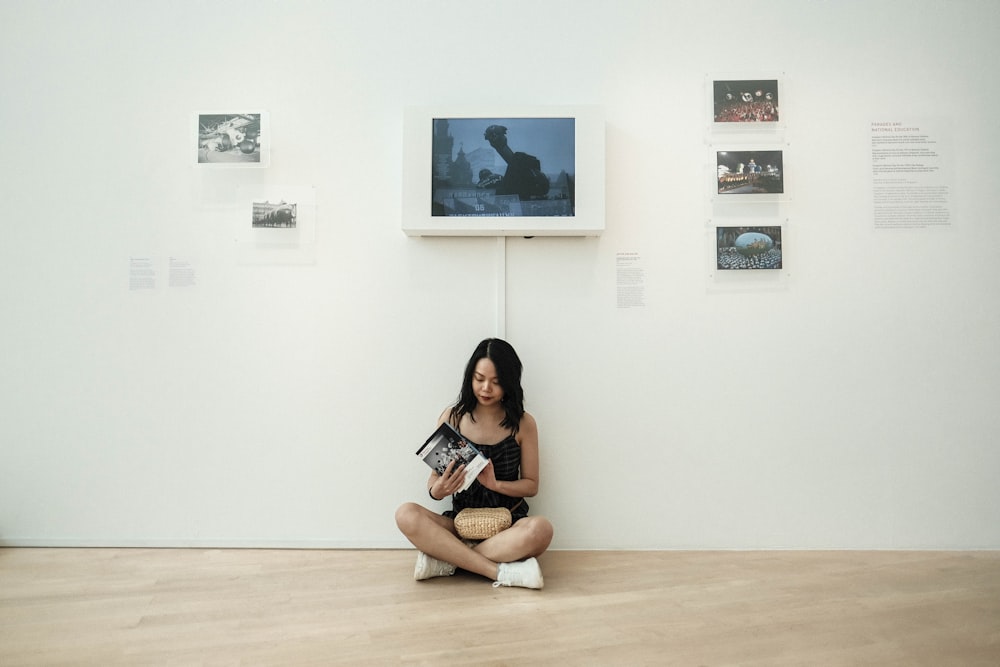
{"x": 490, "y": 409}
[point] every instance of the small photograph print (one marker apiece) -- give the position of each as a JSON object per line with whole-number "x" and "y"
{"x": 492, "y": 167}
{"x": 750, "y": 172}
{"x": 275, "y": 215}
{"x": 740, "y": 248}
{"x": 231, "y": 139}
{"x": 753, "y": 101}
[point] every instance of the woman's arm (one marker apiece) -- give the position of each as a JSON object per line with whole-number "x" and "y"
{"x": 527, "y": 486}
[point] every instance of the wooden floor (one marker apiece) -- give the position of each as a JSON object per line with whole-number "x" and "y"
{"x": 300, "y": 607}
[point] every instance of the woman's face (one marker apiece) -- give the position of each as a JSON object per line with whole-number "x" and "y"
{"x": 486, "y": 384}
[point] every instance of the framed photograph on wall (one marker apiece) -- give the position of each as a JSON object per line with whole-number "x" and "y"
{"x": 748, "y": 254}
{"x": 276, "y": 224}
{"x": 745, "y": 104}
{"x": 748, "y": 248}
{"x": 749, "y": 174}
{"x": 535, "y": 171}
{"x": 229, "y": 140}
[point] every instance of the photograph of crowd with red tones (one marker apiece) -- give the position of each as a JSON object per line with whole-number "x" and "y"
{"x": 746, "y": 101}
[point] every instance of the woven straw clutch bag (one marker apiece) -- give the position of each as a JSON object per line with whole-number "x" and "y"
{"x": 481, "y": 523}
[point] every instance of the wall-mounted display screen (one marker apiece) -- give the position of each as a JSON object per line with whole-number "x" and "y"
{"x": 537, "y": 171}
{"x": 489, "y": 167}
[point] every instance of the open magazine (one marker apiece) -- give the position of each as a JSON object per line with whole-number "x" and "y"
{"x": 446, "y": 445}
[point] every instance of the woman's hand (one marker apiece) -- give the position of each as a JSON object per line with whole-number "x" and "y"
{"x": 488, "y": 477}
{"x": 448, "y": 482}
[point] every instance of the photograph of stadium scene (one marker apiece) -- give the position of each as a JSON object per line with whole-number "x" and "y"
{"x": 746, "y": 101}
{"x": 750, "y": 172}
{"x": 748, "y": 248}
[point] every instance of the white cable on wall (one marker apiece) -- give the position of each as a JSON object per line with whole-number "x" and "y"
{"x": 501, "y": 325}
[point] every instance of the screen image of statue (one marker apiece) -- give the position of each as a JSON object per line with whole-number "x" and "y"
{"x": 490, "y": 167}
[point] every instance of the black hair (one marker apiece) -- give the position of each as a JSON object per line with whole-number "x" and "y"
{"x": 508, "y": 366}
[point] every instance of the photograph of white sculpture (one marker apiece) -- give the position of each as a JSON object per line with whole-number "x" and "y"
{"x": 232, "y": 139}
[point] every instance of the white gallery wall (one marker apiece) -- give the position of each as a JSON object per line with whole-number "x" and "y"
{"x": 847, "y": 401}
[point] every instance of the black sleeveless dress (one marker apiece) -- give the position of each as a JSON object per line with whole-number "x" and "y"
{"x": 506, "y": 457}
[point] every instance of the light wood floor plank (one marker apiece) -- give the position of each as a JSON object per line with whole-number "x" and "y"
{"x": 301, "y": 607}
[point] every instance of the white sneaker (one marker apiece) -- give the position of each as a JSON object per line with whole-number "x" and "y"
{"x": 525, "y": 573}
{"x": 428, "y": 567}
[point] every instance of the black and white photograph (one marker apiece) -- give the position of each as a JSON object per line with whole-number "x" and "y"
{"x": 745, "y": 101}
{"x": 232, "y": 139}
{"x": 742, "y": 248}
{"x": 743, "y": 172}
{"x": 276, "y": 224}
{"x": 274, "y": 215}
{"x": 487, "y": 167}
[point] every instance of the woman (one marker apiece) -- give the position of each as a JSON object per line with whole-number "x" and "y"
{"x": 490, "y": 409}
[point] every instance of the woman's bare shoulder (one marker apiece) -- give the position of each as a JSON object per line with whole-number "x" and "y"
{"x": 445, "y": 416}
{"x": 528, "y": 425}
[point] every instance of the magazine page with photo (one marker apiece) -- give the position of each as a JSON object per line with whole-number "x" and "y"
{"x": 446, "y": 445}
